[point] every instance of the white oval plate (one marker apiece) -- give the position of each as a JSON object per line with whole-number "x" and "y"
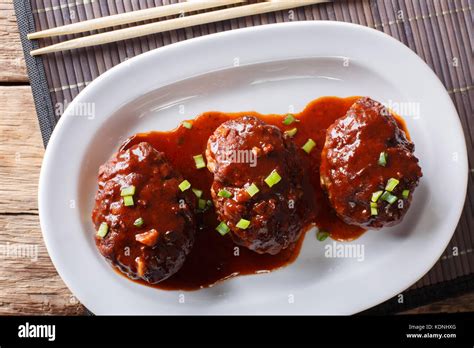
{"x": 270, "y": 69}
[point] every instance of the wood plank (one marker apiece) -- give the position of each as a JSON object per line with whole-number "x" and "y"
{"x": 21, "y": 153}
{"x": 29, "y": 283}
{"x": 12, "y": 61}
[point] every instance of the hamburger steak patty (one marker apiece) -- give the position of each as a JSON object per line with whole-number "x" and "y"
{"x": 368, "y": 167}
{"x": 241, "y": 154}
{"x": 150, "y": 238}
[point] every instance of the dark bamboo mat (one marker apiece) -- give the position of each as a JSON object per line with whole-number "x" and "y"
{"x": 439, "y": 31}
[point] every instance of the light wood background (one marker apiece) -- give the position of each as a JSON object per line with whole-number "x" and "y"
{"x": 29, "y": 286}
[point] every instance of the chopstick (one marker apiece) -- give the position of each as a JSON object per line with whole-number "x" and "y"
{"x": 173, "y": 24}
{"x": 131, "y": 17}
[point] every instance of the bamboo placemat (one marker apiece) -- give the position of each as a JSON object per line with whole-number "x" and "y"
{"x": 439, "y": 31}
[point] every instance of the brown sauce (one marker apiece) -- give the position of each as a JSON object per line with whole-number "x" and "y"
{"x": 215, "y": 257}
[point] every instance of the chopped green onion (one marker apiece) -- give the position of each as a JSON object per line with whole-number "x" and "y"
{"x": 103, "y": 230}
{"x": 185, "y": 184}
{"x": 373, "y": 211}
{"x": 197, "y": 192}
{"x": 383, "y": 159}
{"x": 376, "y": 195}
{"x": 273, "y": 179}
{"x": 308, "y": 147}
{"x": 128, "y": 201}
{"x": 291, "y": 132}
{"x": 223, "y": 229}
{"x": 202, "y": 204}
{"x": 391, "y": 183}
{"x": 243, "y": 224}
{"x": 392, "y": 199}
{"x": 199, "y": 160}
{"x": 252, "y": 190}
{"x": 138, "y": 222}
{"x": 322, "y": 235}
{"x": 388, "y": 197}
{"x": 187, "y": 124}
{"x": 373, "y": 208}
{"x": 289, "y": 119}
{"x": 224, "y": 193}
{"x": 209, "y": 203}
{"x": 127, "y": 191}
{"x": 405, "y": 193}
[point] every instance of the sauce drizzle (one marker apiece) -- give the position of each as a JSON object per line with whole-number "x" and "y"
{"x": 215, "y": 257}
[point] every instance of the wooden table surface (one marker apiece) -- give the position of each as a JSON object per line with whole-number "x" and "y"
{"x": 29, "y": 283}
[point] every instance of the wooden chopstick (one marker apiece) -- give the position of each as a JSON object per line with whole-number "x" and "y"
{"x": 132, "y": 17}
{"x": 173, "y": 24}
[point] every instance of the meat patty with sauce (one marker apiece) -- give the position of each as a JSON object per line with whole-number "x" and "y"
{"x": 257, "y": 189}
{"x": 368, "y": 167}
{"x": 146, "y": 224}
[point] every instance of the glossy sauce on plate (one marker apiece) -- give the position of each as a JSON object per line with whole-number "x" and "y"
{"x": 214, "y": 257}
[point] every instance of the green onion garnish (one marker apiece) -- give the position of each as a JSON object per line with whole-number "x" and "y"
{"x": 383, "y": 159}
{"x": 197, "y": 192}
{"x": 291, "y": 132}
{"x": 202, "y": 204}
{"x": 289, "y": 119}
{"x": 209, "y": 203}
{"x": 308, "y": 147}
{"x": 391, "y": 183}
{"x": 373, "y": 210}
{"x": 187, "y": 124}
{"x": 322, "y": 235}
{"x": 252, "y": 190}
{"x": 273, "y": 179}
{"x": 376, "y": 195}
{"x": 392, "y": 199}
{"x": 243, "y": 224}
{"x": 103, "y": 230}
{"x": 128, "y": 201}
{"x": 127, "y": 191}
{"x": 405, "y": 193}
{"x": 223, "y": 229}
{"x": 185, "y": 184}
{"x": 388, "y": 197}
{"x": 224, "y": 193}
{"x": 138, "y": 222}
{"x": 199, "y": 160}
